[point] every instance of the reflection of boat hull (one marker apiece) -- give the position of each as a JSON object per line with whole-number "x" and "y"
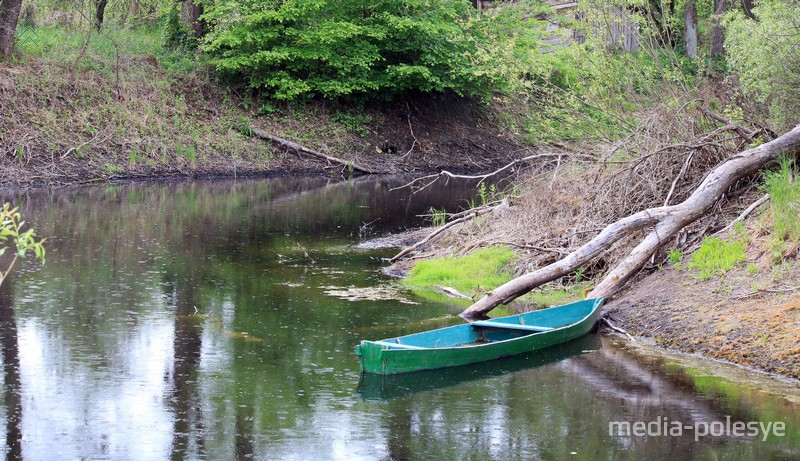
{"x": 479, "y": 341}
{"x": 377, "y": 387}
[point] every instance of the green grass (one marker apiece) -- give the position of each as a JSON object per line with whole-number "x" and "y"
{"x": 558, "y": 296}
{"x": 486, "y": 268}
{"x": 716, "y": 256}
{"x": 104, "y": 47}
{"x": 784, "y": 191}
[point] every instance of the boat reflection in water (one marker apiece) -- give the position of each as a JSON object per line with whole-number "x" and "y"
{"x": 374, "y": 387}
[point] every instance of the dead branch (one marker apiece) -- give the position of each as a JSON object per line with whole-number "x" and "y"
{"x": 474, "y": 214}
{"x": 745, "y": 213}
{"x": 451, "y": 292}
{"x": 766, "y": 290}
{"x": 305, "y": 253}
{"x": 483, "y": 177}
{"x": 617, "y": 329}
{"x": 666, "y": 221}
{"x": 302, "y": 149}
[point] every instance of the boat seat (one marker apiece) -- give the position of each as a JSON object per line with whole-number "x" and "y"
{"x": 398, "y": 345}
{"x": 509, "y": 326}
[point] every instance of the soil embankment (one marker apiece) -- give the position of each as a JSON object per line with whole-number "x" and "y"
{"x": 727, "y": 317}
{"x": 62, "y": 126}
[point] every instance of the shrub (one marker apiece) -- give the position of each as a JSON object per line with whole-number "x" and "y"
{"x": 295, "y": 48}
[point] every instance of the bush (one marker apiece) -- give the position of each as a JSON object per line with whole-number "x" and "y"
{"x": 294, "y": 48}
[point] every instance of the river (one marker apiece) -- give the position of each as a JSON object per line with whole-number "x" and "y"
{"x": 217, "y": 319}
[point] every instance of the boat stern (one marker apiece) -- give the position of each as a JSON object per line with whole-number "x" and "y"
{"x": 370, "y": 356}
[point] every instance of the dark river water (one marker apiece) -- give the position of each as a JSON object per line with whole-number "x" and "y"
{"x": 184, "y": 321}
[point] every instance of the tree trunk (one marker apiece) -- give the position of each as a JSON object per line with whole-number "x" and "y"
{"x": 717, "y": 46}
{"x": 9, "y": 15}
{"x": 668, "y": 221}
{"x": 190, "y": 16}
{"x": 690, "y": 37}
{"x": 100, "y": 12}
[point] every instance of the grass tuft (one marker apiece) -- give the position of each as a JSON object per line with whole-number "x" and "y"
{"x": 784, "y": 208}
{"x": 483, "y": 269}
{"x": 716, "y": 256}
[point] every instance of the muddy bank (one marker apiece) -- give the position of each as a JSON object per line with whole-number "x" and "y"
{"x": 746, "y": 318}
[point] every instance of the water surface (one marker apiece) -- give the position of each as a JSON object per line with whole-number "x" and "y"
{"x": 216, "y": 320}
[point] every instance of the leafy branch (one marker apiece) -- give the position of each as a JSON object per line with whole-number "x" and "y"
{"x": 12, "y": 235}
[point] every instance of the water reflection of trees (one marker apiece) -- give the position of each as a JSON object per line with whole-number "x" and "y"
{"x": 12, "y": 385}
{"x": 122, "y": 256}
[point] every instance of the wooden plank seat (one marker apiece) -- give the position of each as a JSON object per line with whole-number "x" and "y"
{"x": 509, "y": 326}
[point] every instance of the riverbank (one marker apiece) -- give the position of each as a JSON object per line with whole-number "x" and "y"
{"x": 77, "y": 113}
{"x": 748, "y": 316}
{"x": 750, "y": 319}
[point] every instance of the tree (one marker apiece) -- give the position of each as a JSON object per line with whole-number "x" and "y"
{"x": 766, "y": 57}
{"x": 717, "y": 45}
{"x": 13, "y": 235}
{"x": 191, "y": 12}
{"x": 690, "y": 35}
{"x": 297, "y": 48}
{"x": 99, "y": 14}
{"x": 9, "y": 15}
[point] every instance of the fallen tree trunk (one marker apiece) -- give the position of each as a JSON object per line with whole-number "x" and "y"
{"x": 303, "y": 149}
{"x": 667, "y": 222}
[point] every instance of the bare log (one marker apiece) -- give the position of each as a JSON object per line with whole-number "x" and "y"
{"x": 300, "y": 148}
{"x": 667, "y": 222}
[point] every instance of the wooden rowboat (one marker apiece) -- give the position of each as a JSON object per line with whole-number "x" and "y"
{"x": 479, "y": 341}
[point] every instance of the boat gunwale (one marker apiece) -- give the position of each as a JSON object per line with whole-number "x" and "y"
{"x": 388, "y": 347}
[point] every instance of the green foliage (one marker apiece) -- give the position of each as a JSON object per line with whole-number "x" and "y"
{"x": 353, "y": 121}
{"x": 13, "y": 235}
{"x": 176, "y": 34}
{"x": 594, "y": 90}
{"x": 765, "y": 54}
{"x": 103, "y": 49}
{"x": 361, "y": 48}
{"x": 487, "y": 268}
{"x": 784, "y": 192}
{"x": 716, "y": 256}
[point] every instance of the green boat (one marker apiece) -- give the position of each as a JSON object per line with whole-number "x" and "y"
{"x": 479, "y": 341}
{"x": 382, "y": 388}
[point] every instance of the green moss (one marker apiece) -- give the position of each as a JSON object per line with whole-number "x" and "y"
{"x": 483, "y": 269}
